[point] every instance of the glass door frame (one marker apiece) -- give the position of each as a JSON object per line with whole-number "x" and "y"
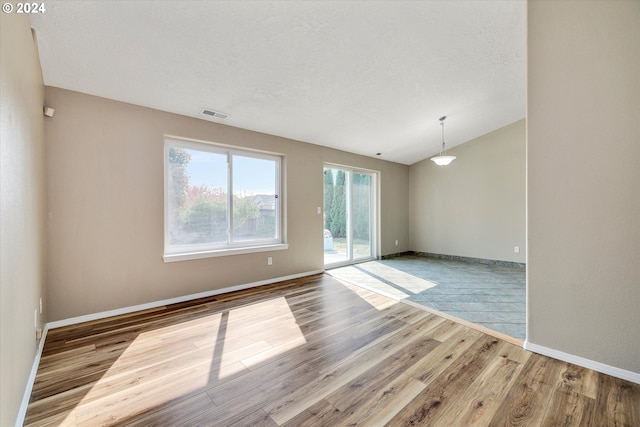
{"x": 374, "y": 213}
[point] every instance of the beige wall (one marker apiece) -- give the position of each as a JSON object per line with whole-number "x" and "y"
{"x": 105, "y": 195}
{"x": 584, "y": 179}
{"x": 476, "y": 206}
{"x": 22, "y": 215}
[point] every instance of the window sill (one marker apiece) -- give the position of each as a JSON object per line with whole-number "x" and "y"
{"x": 223, "y": 252}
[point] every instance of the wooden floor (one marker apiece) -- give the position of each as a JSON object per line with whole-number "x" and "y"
{"x": 313, "y": 352}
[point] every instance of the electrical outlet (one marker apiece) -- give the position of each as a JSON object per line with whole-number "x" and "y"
{"x": 35, "y": 318}
{"x": 269, "y": 261}
{"x": 40, "y": 305}
{"x": 396, "y": 243}
{"x": 516, "y": 249}
{"x": 319, "y": 210}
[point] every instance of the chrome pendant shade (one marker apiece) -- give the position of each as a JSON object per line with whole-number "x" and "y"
{"x": 443, "y": 159}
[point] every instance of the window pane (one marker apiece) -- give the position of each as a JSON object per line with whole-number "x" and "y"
{"x": 335, "y": 216}
{"x": 361, "y": 215}
{"x": 255, "y": 198}
{"x": 197, "y": 193}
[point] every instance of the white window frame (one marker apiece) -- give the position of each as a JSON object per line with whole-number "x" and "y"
{"x": 208, "y": 250}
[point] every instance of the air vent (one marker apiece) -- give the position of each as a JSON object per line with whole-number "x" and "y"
{"x": 215, "y": 114}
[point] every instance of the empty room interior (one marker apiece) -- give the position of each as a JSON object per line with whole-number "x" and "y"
{"x": 320, "y": 213}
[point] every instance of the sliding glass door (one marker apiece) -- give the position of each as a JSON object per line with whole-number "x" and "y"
{"x": 349, "y": 215}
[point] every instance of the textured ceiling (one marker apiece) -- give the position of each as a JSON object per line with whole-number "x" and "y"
{"x": 360, "y": 76}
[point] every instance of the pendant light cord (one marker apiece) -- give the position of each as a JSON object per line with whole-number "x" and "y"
{"x": 443, "y": 152}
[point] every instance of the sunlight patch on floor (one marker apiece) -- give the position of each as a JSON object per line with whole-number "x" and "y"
{"x": 411, "y": 283}
{"x": 218, "y": 346}
{"x": 354, "y": 275}
{"x": 271, "y": 321}
{"x": 383, "y": 279}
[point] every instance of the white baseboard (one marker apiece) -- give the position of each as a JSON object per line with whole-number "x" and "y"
{"x": 22, "y": 412}
{"x": 155, "y": 304}
{"x": 585, "y": 363}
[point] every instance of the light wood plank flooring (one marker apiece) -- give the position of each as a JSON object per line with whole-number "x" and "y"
{"x": 309, "y": 352}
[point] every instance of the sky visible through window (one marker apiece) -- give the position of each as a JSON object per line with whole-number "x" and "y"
{"x": 252, "y": 176}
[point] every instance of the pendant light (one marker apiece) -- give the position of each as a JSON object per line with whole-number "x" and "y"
{"x": 443, "y": 159}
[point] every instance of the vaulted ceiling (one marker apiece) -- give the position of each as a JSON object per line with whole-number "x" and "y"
{"x": 361, "y": 76}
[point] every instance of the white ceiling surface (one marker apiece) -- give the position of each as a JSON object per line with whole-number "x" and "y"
{"x": 360, "y": 76}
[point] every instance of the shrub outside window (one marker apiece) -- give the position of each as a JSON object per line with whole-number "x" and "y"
{"x": 220, "y": 201}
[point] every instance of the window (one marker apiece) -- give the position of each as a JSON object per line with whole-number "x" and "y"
{"x": 220, "y": 201}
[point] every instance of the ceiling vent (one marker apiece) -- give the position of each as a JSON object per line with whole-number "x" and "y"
{"x": 214, "y": 114}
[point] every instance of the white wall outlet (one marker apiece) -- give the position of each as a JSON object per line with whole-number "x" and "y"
{"x": 319, "y": 210}
{"x": 40, "y": 305}
{"x": 35, "y": 318}
{"x": 269, "y": 261}
{"x": 396, "y": 243}
{"x": 516, "y": 249}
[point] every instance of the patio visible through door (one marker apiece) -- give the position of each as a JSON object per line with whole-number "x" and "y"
{"x": 349, "y": 215}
